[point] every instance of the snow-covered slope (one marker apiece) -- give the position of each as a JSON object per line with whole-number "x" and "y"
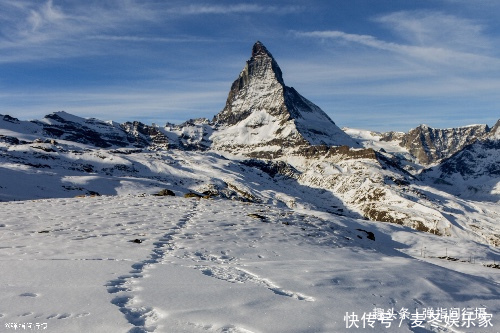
{"x": 431, "y": 145}
{"x": 262, "y": 113}
{"x": 67, "y": 127}
{"x": 168, "y": 264}
{"x": 473, "y": 172}
{"x": 266, "y": 130}
{"x": 331, "y": 180}
{"x": 386, "y": 143}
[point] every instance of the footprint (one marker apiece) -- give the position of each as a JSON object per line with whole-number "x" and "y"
{"x": 237, "y": 275}
{"x": 417, "y": 301}
{"x": 59, "y": 316}
{"x": 25, "y": 314}
{"x": 291, "y": 294}
{"x": 232, "y": 329}
{"x": 121, "y": 301}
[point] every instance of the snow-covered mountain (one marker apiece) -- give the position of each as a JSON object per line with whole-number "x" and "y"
{"x": 472, "y": 172}
{"x": 431, "y": 145}
{"x": 268, "y": 145}
{"x": 283, "y": 199}
{"x": 97, "y": 133}
{"x": 35, "y": 165}
{"x": 262, "y": 114}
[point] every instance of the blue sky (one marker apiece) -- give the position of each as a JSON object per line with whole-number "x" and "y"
{"x": 374, "y": 64}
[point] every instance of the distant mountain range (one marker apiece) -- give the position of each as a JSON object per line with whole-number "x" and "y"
{"x": 269, "y": 144}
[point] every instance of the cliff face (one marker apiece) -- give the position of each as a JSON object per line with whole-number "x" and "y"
{"x": 430, "y": 145}
{"x": 262, "y": 111}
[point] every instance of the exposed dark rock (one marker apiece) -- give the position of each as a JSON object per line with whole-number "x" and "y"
{"x": 38, "y": 165}
{"x": 370, "y": 235}
{"x": 10, "y": 119}
{"x": 165, "y": 192}
{"x": 9, "y": 139}
{"x": 92, "y": 131}
{"x": 145, "y": 135}
{"x": 125, "y": 151}
{"x": 193, "y": 195}
{"x": 257, "y": 216}
{"x": 273, "y": 168}
{"x": 120, "y": 168}
{"x": 341, "y": 152}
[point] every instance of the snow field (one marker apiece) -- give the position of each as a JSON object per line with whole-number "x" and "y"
{"x": 219, "y": 266}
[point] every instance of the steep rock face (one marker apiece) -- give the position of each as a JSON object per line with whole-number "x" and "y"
{"x": 430, "y": 145}
{"x": 145, "y": 134}
{"x": 495, "y": 131}
{"x": 262, "y": 111}
{"x": 475, "y": 160}
{"x": 473, "y": 172}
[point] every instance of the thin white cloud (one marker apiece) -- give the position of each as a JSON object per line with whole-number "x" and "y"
{"x": 430, "y": 37}
{"x": 47, "y": 15}
{"x": 425, "y": 28}
{"x": 201, "y": 9}
{"x": 41, "y": 30}
{"x": 150, "y": 39}
{"x": 435, "y": 53}
{"x": 361, "y": 39}
{"x": 37, "y": 30}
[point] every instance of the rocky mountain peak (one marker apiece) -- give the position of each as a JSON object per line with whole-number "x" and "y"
{"x": 430, "y": 145}
{"x": 259, "y": 49}
{"x": 495, "y": 131}
{"x": 263, "y": 61}
{"x": 261, "y": 110}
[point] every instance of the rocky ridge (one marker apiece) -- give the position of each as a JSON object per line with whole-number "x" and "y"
{"x": 431, "y": 145}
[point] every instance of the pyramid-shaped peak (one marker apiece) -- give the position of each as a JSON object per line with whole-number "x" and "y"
{"x": 262, "y": 111}
{"x": 259, "y": 49}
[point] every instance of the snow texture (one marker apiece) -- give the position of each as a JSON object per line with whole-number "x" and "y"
{"x": 211, "y": 266}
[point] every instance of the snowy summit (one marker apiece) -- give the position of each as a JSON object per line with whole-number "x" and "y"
{"x": 262, "y": 111}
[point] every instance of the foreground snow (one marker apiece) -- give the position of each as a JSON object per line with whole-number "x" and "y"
{"x": 226, "y": 266}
